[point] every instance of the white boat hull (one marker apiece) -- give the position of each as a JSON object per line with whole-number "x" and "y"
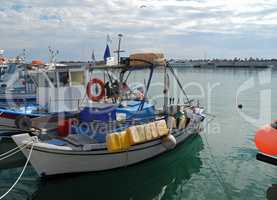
{"x": 47, "y": 161}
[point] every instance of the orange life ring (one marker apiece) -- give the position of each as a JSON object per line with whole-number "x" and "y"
{"x": 102, "y": 89}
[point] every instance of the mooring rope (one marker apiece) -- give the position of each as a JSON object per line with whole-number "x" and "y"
{"x": 11, "y": 150}
{"x": 15, "y": 152}
{"x": 23, "y": 170}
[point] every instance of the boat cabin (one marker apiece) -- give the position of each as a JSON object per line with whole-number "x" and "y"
{"x": 60, "y": 87}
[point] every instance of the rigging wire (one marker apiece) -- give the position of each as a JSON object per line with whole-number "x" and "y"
{"x": 178, "y": 82}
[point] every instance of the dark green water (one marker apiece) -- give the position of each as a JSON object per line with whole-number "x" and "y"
{"x": 226, "y": 170}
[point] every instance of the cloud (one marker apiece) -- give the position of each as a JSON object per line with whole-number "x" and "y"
{"x": 175, "y": 26}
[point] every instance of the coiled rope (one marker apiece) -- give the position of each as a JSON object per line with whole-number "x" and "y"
{"x": 24, "y": 168}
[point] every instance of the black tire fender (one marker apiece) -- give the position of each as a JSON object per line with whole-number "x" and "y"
{"x": 23, "y": 122}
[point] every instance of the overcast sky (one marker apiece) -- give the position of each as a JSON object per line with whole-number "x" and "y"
{"x": 179, "y": 28}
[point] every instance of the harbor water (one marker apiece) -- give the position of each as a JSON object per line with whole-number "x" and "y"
{"x": 218, "y": 164}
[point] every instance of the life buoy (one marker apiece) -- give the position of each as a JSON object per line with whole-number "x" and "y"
{"x": 101, "y": 93}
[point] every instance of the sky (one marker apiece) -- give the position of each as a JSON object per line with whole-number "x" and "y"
{"x": 185, "y": 29}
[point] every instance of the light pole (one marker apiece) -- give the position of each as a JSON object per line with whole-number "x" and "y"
{"x": 118, "y": 51}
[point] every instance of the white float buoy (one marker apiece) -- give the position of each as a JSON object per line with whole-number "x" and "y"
{"x": 169, "y": 142}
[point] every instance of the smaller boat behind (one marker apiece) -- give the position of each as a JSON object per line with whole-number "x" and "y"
{"x": 15, "y": 84}
{"x": 59, "y": 90}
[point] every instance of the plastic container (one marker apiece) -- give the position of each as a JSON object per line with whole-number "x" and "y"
{"x": 133, "y": 135}
{"x": 171, "y": 122}
{"x": 113, "y": 142}
{"x": 117, "y": 141}
{"x": 182, "y": 123}
{"x": 148, "y": 132}
{"x": 141, "y": 133}
{"x": 162, "y": 127}
{"x": 154, "y": 130}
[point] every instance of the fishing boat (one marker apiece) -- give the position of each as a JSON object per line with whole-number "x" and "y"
{"x": 117, "y": 126}
{"x": 15, "y": 85}
{"x": 58, "y": 89}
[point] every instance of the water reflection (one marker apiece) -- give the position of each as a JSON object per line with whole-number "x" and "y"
{"x": 147, "y": 180}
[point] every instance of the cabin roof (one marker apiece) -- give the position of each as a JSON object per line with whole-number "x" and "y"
{"x": 122, "y": 67}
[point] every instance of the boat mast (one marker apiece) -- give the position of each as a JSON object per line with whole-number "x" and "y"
{"x": 52, "y": 56}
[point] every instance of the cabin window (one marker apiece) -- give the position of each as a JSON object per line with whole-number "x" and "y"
{"x": 77, "y": 78}
{"x": 52, "y": 77}
{"x": 41, "y": 80}
{"x": 64, "y": 79}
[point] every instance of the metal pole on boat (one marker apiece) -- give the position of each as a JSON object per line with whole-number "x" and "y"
{"x": 118, "y": 51}
{"x": 165, "y": 91}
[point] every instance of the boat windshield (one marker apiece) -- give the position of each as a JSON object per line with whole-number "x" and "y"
{"x": 71, "y": 78}
{"x": 59, "y": 78}
{"x": 77, "y": 78}
{"x": 63, "y": 79}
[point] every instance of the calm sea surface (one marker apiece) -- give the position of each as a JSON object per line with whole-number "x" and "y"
{"x": 218, "y": 164}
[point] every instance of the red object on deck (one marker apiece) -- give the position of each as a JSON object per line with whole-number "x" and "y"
{"x": 37, "y": 62}
{"x": 64, "y": 127}
{"x": 266, "y": 139}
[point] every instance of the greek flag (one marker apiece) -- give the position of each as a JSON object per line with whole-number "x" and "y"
{"x": 107, "y": 53}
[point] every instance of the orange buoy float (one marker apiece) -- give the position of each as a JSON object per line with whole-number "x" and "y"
{"x": 266, "y": 139}
{"x": 37, "y": 62}
{"x": 101, "y": 93}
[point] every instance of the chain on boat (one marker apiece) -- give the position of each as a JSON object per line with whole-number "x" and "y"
{"x": 14, "y": 151}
